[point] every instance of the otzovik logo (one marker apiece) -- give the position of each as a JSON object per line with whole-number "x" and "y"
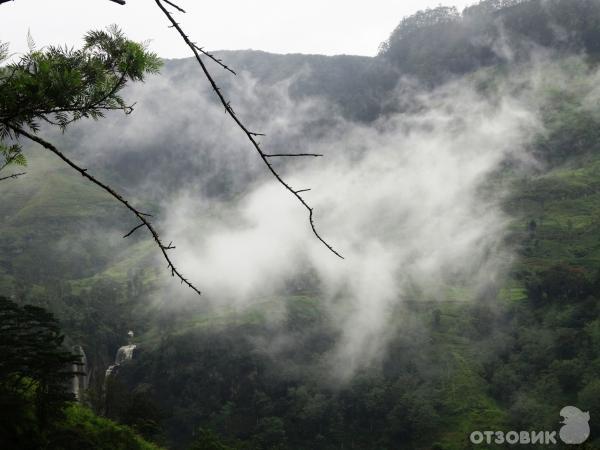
{"x": 575, "y": 430}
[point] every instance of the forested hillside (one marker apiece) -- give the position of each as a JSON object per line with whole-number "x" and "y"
{"x": 485, "y": 123}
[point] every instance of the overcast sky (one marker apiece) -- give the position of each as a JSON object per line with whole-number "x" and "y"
{"x": 309, "y": 26}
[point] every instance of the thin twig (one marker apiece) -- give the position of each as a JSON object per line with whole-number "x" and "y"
{"x": 14, "y": 175}
{"x": 141, "y": 216}
{"x": 248, "y": 133}
{"x": 175, "y": 6}
{"x": 217, "y": 60}
{"x": 134, "y": 230}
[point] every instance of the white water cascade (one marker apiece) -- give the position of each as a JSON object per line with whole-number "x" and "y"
{"x": 125, "y": 353}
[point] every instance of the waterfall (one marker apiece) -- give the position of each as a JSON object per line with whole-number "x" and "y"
{"x": 125, "y": 353}
{"x": 79, "y": 382}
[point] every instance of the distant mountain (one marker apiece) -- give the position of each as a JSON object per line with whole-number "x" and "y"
{"x": 438, "y": 43}
{"x": 358, "y": 84}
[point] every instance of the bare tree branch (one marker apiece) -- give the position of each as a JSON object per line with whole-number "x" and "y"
{"x": 141, "y": 216}
{"x": 250, "y": 135}
{"x": 14, "y": 175}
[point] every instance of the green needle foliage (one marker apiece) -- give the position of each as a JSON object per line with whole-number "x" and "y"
{"x": 60, "y": 85}
{"x": 34, "y": 368}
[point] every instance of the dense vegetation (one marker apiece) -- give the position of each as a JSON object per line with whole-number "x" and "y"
{"x": 506, "y": 358}
{"x": 441, "y": 42}
{"x": 36, "y": 410}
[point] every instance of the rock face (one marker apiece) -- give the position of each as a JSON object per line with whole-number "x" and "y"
{"x": 80, "y": 381}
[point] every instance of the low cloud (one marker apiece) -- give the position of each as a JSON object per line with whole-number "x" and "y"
{"x": 402, "y": 199}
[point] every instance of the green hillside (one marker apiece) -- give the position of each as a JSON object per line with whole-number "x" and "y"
{"x": 507, "y": 356}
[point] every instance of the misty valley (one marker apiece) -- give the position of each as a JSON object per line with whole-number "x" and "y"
{"x": 392, "y": 252}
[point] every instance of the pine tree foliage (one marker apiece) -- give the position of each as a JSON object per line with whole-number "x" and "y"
{"x": 33, "y": 362}
{"x": 60, "y": 85}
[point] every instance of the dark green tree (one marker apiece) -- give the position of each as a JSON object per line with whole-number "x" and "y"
{"x": 59, "y": 86}
{"x": 35, "y": 370}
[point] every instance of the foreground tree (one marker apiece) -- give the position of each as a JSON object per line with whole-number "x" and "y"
{"x": 34, "y": 371}
{"x": 60, "y": 86}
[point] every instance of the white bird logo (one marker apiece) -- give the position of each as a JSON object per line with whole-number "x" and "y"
{"x": 575, "y": 429}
